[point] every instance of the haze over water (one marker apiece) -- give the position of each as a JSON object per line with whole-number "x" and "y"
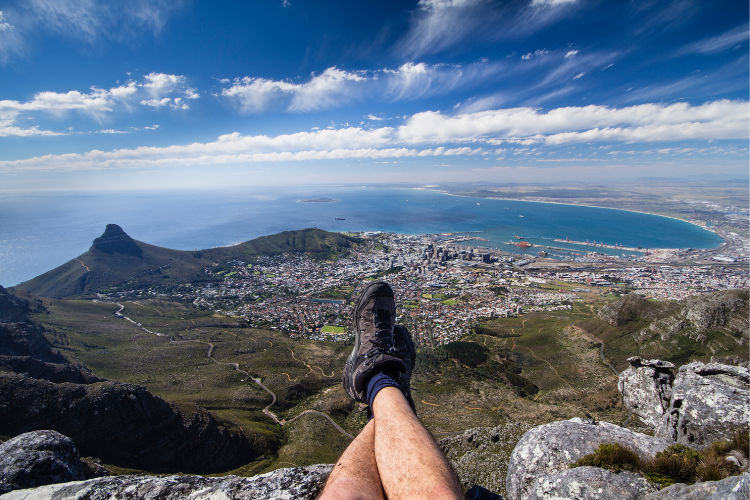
{"x": 41, "y": 231}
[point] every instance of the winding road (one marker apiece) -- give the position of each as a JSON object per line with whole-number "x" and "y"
{"x": 267, "y": 410}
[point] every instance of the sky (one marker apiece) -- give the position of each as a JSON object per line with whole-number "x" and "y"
{"x": 173, "y": 94}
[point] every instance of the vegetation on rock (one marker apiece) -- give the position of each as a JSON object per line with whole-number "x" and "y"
{"x": 677, "y": 463}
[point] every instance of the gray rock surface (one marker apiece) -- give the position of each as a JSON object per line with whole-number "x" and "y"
{"x": 549, "y": 448}
{"x": 40, "y": 457}
{"x": 584, "y": 483}
{"x": 480, "y": 455}
{"x": 731, "y": 488}
{"x": 708, "y": 402}
{"x": 646, "y": 388}
{"x": 293, "y": 483}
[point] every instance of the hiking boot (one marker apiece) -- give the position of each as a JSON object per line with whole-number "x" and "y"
{"x": 374, "y": 349}
{"x": 408, "y": 354}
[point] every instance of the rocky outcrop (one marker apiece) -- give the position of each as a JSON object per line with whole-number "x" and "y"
{"x": 122, "y": 424}
{"x": 646, "y": 388}
{"x": 722, "y": 309}
{"x": 591, "y": 482}
{"x": 731, "y": 488}
{"x": 115, "y": 240}
{"x": 708, "y": 402}
{"x": 545, "y": 452}
{"x": 627, "y": 308}
{"x": 41, "y": 457}
{"x": 12, "y": 309}
{"x": 480, "y": 455}
{"x": 54, "y": 372}
{"x": 293, "y": 483}
{"x": 26, "y": 339}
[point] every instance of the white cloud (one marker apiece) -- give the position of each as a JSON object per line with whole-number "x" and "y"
{"x": 155, "y": 90}
{"x": 4, "y": 25}
{"x": 325, "y": 90}
{"x": 536, "y": 53}
{"x": 329, "y": 89}
{"x": 718, "y": 43}
{"x": 335, "y": 87}
{"x": 550, "y": 3}
{"x": 431, "y": 133}
{"x": 8, "y": 126}
{"x": 722, "y": 119}
{"x": 11, "y": 43}
{"x": 88, "y": 21}
{"x": 570, "y": 53}
{"x": 579, "y": 75}
{"x": 438, "y": 24}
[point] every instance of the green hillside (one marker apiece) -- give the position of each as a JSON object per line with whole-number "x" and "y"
{"x": 115, "y": 259}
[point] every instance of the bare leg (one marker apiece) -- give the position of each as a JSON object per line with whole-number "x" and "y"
{"x": 410, "y": 463}
{"x": 355, "y": 475}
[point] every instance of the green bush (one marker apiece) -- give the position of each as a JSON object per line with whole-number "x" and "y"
{"x": 611, "y": 456}
{"x": 676, "y": 464}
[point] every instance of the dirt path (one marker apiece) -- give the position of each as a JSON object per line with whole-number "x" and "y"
{"x": 550, "y": 365}
{"x": 601, "y": 349}
{"x": 84, "y": 265}
{"x": 267, "y": 410}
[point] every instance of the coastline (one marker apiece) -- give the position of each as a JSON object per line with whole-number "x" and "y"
{"x": 697, "y": 224}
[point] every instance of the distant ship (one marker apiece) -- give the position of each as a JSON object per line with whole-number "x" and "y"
{"x": 519, "y": 237}
{"x": 340, "y": 218}
{"x": 520, "y": 215}
{"x": 523, "y": 244}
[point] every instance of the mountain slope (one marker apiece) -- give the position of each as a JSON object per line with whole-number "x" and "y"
{"x": 115, "y": 258}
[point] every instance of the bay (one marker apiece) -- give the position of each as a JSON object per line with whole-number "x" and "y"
{"x": 43, "y": 230}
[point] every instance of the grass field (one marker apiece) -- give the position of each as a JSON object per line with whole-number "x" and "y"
{"x": 535, "y": 368}
{"x": 332, "y": 329}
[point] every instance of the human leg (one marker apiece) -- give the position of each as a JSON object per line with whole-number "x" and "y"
{"x": 355, "y": 475}
{"x": 410, "y": 463}
{"x": 378, "y": 371}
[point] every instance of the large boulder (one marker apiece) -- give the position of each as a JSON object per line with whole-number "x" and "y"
{"x": 731, "y": 488}
{"x": 591, "y": 482}
{"x": 708, "y": 402}
{"x": 646, "y": 388}
{"x": 40, "y": 457}
{"x": 547, "y": 450}
{"x": 293, "y": 483}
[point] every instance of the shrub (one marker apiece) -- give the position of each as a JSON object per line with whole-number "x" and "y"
{"x": 611, "y": 456}
{"x": 676, "y": 464}
{"x": 713, "y": 467}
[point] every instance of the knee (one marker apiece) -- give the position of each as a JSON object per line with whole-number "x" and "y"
{"x": 348, "y": 489}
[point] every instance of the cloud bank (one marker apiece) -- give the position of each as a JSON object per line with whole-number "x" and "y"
{"x": 156, "y": 90}
{"x": 432, "y": 134}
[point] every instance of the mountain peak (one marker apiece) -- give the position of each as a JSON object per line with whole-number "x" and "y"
{"x": 115, "y": 240}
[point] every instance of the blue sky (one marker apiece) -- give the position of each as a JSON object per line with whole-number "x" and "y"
{"x": 180, "y": 94}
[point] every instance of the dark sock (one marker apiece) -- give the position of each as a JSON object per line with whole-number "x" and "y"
{"x": 381, "y": 380}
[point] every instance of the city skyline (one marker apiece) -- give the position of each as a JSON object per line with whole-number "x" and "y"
{"x": 156, "y": 94}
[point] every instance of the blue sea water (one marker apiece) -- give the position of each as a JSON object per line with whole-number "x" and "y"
{"x": 41, "y": 231}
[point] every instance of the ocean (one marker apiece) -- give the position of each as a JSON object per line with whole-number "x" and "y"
{"x": 43, "y": 230}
